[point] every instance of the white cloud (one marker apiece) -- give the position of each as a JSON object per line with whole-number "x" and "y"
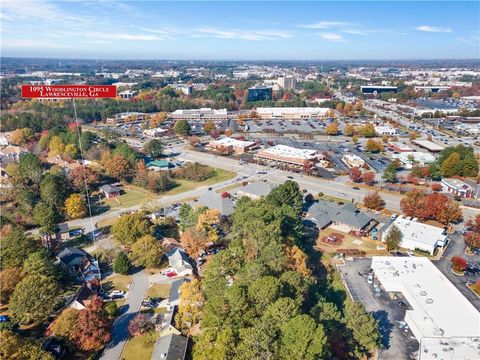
{"x": 326, "y": 25}
{"x": 331, "y": 36}
{"x": 428, "y": 28}
{"x": 254, "y": 35}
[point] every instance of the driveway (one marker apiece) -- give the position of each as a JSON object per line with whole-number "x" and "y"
{"x": 396, "y": 343}
{"x": 136, "y": 294}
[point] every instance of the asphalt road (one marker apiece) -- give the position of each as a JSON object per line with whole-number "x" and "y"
{"x": 120, "y": 335}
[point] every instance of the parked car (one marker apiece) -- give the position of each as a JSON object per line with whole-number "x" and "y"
{"x": 370, "y": 279}
{"x": 116, "y": 293}
{"x": 171, "y": 274}
{"x": 289, "y": 177}
{"x": 356, "y": 188}
{"x": 401, "y": 303}
{"x": 376, "y": 288}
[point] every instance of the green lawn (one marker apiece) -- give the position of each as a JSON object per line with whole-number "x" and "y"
{"x": 187, "y": 185}
{"x": 133, "y": 195}
{"x": 159, "y": 290}
{"x": 117, "y": 282}
{"x": 140, "y": 347}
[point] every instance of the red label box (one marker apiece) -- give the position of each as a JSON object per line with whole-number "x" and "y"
{"x": 69, "y": 91}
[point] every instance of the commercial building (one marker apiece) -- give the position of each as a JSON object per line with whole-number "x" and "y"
{"x": 378, "y": 89}
{"x": 205, "y": 114}
{"x": 431, "y": 88}
{"x": 288, "y": 155}
{"x": 155, "y": 132}
{"x": 352, "y": 160}
{"x": 130, "y": 117}
{"x": 291, "y": 113}
{"x": 417, "y": 235}
{"x": 228, "y": 145}
{"x": 127, "y": 94}
{"x": 445, "y": 323}
{"x": 409, "y": 159}
{"x": 259, "y": 93}
{"x": 429, "y": 145}
{"x": 399, "y": 147}
{"x": 287, "y": 82}
{"x": 457, "y": 187}
{"x": 385, "y": 130}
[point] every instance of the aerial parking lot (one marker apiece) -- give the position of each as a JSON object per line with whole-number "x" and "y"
{"x": 396, "y": 339}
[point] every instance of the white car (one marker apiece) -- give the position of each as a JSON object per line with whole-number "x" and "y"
{"x": 370, "y": 279}
{"x": 116, "y": 293}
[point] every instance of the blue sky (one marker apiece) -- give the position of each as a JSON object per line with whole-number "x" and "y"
{"x": 108, "y": 29}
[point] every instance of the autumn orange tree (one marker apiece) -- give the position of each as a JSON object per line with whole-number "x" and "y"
{"x": 355, "y": 174}
{"x": 373, "y": 201}
{"x": 93, "y": 327}
{"x": 77, "y": 177}
{"x": 194, "y": 240}
{"x": 117, "y": 166}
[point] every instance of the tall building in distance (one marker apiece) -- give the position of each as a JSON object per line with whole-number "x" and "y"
{"x": 287, "y": 82}
{"x": 259, "y": 93}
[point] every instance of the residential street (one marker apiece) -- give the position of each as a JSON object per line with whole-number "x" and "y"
{"x": 136, "y": 294}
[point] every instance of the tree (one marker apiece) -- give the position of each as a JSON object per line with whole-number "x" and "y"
{"x": 75, "y": 206}
{"x": 450, "y": 165}
{"x": 433, "y": 206}
{"x": 354, "y": 139}
{"x": 93, "y": 327}
{"x": 393, "y": 238}
{"x": 131, "y": 227}
{"x": 436, "y": 187}
{"x": 140, "y": 324}
{"x": 125, "y": 150}
{"x": 182, "y": 127}
{"x": 34, "y": 299}
{"x": 9, "y": 278}
{"x": 459, "y": 264}
{"x": 77, "y": 177}
{"x": 56, "y": 146}
{"x": 264, "y": 291}
{"x": 194, "y": 240}
{"x": 190, "y": 307}
{"x": 40, "y": 263}
{"x": 349, "y": 130}
{"x": 111, "y": 309}
{"x": 15, "y": 248}
{"x": 71, "y": 151}
{"x": 153, "y": 148}
{"x": 302, "y": 338}
{"x": 30, "y": 168}
{"x": 14, "y": 347}
{"x": 122, "y": 263}
{"x": 66, "y": 323}
{"x": 363, "y": 326}
{"x": 117, "y": 166}
{"x": 146, "y": 252}
{"x": 209, "y": 127}
{"x": 297, "y": 260}
{"x": 52, "y": 191}
{"x": 368, "y": 177}
{"x": 355, "y": 174}
{"x": 21, "y": 136}
{"x": 373, "y": 201}
{"x": 390, "y": 173}
{"x": 373, "y": 146}
{"x": 472, "y": 239}
{"x": 367, "y": 130}
{"x": 45, "y": 216}
{"x": 288, "y": 193}
{"x": 25, "y": 200}
{"x": 332, "y": 128}
{"x": 188, "y": 216}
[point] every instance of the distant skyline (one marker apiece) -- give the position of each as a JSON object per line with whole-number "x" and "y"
{"x": 234, "y": 30}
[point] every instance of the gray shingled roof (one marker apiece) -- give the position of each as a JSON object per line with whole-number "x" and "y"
{"x": 214, "y": 200}
{"x": 69, "y": 254}
{"x": 170, "y": 347}
{"x": 324, "y": 212}
{"x": 109, "y": 188}
{"x": 257, "y": 188}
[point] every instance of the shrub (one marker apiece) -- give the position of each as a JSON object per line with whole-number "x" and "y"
{"x": 459, "y": 264}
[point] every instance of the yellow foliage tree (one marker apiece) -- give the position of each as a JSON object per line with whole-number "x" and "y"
{"x": 190, "y": 307}
{"x": 331, "y": 129}
{"x": 56, "y": 146}
{"x": 297, "y": 260}
{"x": 206, "y": 220}
{"x": 75, "y": 206}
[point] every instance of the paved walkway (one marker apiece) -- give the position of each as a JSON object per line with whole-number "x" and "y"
{"x": 136, "y": 294}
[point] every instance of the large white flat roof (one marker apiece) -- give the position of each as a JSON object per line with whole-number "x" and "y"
{"x": 228, "y": 141}
{"x": 439, "y": 309}
{"x": 449, "y": 348}
{"x": 427, "y": 144}
{"x": 291, "y": 152}
{"x": 291, "y": 110}
{"x": 419, "y": 232}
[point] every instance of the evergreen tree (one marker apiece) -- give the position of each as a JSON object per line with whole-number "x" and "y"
{"x": 122, "y": 263}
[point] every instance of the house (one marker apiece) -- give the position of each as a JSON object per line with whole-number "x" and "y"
{"x": 67, "y": 166}
{"x": 170, "y": 347}
{"x": 71, "y": 257}
{"x": 169, "y": 244}
{"x": 78, "y": 262}
{"x": 158, "y": 165}
{"x": 10, "y": 154}
{"x": 255, "y": 190}
{"x": 178, "y": 259}
{"x": 457, "y": 187}
{"x": 110, "y": 191}
{"x": 418, "y": 236}
{"x": 346, "y": 218}
{"x": 214, "y": 200}
{"x": 83, "y": 298}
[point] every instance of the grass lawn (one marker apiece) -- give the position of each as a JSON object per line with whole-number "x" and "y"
{"x": 107, "y": 222}
{"x": 159, "y": 290}
{"x": 133, "y": 195}
{"x": 332, "y": 198}
{"x": 348, "y": 242}
{"x": 117, "y": 282}
{"x": 187, "y": 185}
{"x": 230, "y": 187}
{"x": 140, "y": 347}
